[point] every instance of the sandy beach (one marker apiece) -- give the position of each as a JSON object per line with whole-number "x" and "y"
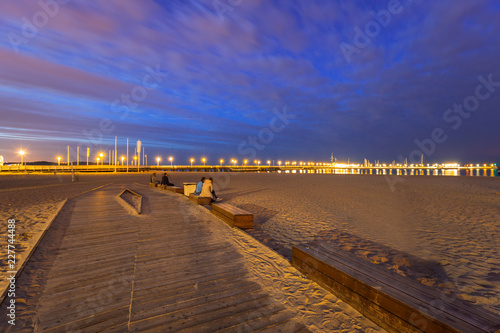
{"x": 440, "y": 231}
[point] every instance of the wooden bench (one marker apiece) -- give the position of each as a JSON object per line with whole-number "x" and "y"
{"x": 175, "y": 189}
{"x": 233, "y": 216}
{"x": 394, "y": 302}
{"x": 200, "y": 200}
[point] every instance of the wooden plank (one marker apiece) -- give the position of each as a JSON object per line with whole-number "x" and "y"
{"x": 196, "y": 298}
{"x": 392, "y": 309}
{"x": 152, "y": 274}
{"x": 4, "y": 285}
{"x": 403, "y": 285}
{"x": 227, "y": 281}
{"x": 175, "y": 189}
{"x": 235, "y": 272}
{"x": 233, "y": 216}
{"x": 189, "y": 317}
{"x": 90, "y": 320}
{"x": 360, "y": 303}
{"x": 205, "y": 201}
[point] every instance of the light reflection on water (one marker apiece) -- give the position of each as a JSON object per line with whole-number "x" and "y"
{"x": 402, "y": 172}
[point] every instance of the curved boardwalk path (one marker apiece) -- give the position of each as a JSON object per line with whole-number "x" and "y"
{"x": 100, "y": 268}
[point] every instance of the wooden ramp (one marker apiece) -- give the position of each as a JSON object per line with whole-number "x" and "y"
{"x": 103, "y": 269}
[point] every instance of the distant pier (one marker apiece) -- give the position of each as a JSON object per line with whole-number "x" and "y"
{"x": 324, "y": 168}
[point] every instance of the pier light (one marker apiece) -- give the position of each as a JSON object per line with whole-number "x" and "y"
{"x": 123, "y": 158}
{"x": 191, "y": 160}
{"x": 269, "y": 162}
{"x": 279, "y": 163}
{"x": 203, "y": 159}
{"x": 171, "y": 160}
{"x": 98, "y": 159}
{"x": 101, "y": 155}
{"x": 245, "y": 162}
{"x": 258, "y": 162}
{"x": 22, "y": 152}
{"x": 59, "y": 160}
{"x": 221, "y": 161}
{"x": 158, "y": 159}
{"x": 234, "y": 161}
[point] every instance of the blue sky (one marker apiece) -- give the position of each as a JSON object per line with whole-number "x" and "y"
{"x": 290, "y": 80}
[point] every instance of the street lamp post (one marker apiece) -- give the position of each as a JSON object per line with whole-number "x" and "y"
{"x": 59, "y": 160}
{"x": 192, "y": 160}
{"x": 171, "y": 159}
{"x": 102, "y": 159}
{"x": 158, "y": 161}
{"x": 22, "y": 152}
{"x": 221, "y": 161}
{"x": 203, "y": 160}
{"x": 123, "y": 158}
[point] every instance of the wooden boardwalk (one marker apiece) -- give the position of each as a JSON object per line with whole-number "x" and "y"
{"x": 101, "y": 268}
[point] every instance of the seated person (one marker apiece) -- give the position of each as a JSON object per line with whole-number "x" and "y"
{"x": 164, "y": 180}
{"x": 153, "y": 178}
{"x": 207, "y": 190}
{"x": 199, "y": 186}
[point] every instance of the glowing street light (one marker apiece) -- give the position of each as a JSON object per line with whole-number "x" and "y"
{"x": 101, "y": 155}
{"x": 234, "y": 161}
{"x": 203, "y": 159}
{"x": 22, "y": 152}
{"x": 59, "y": 160}
{"x": 123, "y": 158}
{"x": 171, "y": 159}
{"x": 279, "y": 163}
{"x": 98, "y": 159}
{"x": 245, "y": 162}
{"x": 158, "y": 159}
{"x": 192, "y": 160}
{"x": 221, "y": 161}
{"x": 269, "y": 162}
